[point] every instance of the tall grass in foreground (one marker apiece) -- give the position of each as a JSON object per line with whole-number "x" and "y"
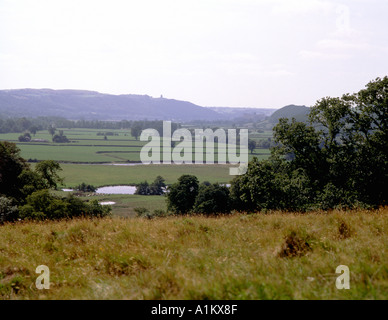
{"x": 258, "y": 256}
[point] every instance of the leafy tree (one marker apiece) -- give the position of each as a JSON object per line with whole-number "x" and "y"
{"x": 155, "y": 188}
{"x": 181, "y": 195}
{"x": 85, "y": 187}
{"x": 251, "y": 145}
{"x": 34, "y": 130}
{"x": 12, "y": 166}
{"x": 42, "y": 205}
{"x": 8, "y": 210}
{"x": 212, "y": 199}
{"x": 158, "y": 186}
{"x": 48, "y": 171}
{"x": 51, "y": 129}
{"x": 26, "y": 137}
{"x": 143, "y": 188}
{"x": 136, "y": 131}
{"x": 60, "y": 138}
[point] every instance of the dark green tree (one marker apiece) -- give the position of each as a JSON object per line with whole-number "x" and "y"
{"x": 158, "y": 186}
{"x": 33, "y": 129}
{"x": 48, "y": 170}
{"x": 251, "y": 145}
{"x": 212, "y": 199}
{"x": 143, "y": 188}
{"x": 26, "y": 137}
{"x": 51, "y": 129}
{"x": 12, "y": 165}
{"x": 181, "y": 195}
{"x": 136, "y": 131}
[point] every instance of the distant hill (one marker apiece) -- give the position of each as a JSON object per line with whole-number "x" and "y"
{"x": 91, "y": 105}
{"x": 300, "y": 113}
{"x": 247, "y": 114}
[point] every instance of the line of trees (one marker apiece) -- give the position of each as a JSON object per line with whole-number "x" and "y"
{"x": 33, "y": 125}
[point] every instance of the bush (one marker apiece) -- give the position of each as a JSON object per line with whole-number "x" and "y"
{"x": 41, "y": 205}
{"x": 60, "y": 139}
{"x": 25, "y": 137}
{"x": 294, "y": 246}
{"x": 96, "y": 210}
{"x": 142, "y": 212}
{"x": 83, "y": 187}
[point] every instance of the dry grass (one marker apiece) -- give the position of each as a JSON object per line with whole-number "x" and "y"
{"x": 271, "y": 256}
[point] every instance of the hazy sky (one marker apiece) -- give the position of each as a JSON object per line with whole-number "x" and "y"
{"x": 240, "y": 53}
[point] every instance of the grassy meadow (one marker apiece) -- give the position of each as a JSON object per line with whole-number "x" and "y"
{"x": 229, "y": 257}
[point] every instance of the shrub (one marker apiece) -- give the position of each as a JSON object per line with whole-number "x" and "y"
{"x": 85, "y": 187}
{"x": 60, "y": 139}
{"x": 25, "y": 137}
{"x": 344, "y": 230}
{"x": 41, "y": 205}
{"x": 141, "y": 211}
{"x": 294, "y": 246}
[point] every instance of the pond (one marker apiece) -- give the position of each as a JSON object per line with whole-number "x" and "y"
{"x": 117, "y": 190}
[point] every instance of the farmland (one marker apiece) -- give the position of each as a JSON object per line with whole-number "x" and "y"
{"x": 86, "y": 146}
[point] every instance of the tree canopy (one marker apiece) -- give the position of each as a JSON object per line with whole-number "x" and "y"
{"x": 338, "y": 159}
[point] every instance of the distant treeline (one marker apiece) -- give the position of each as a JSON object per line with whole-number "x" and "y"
{"x": 19, "y": 125}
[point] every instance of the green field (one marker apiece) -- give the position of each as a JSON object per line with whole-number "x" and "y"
{"x": 103, "y": 175}
{"x": 86, "y": 146}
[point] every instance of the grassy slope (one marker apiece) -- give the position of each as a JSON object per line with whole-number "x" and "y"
{"x": 233, "y": 257}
